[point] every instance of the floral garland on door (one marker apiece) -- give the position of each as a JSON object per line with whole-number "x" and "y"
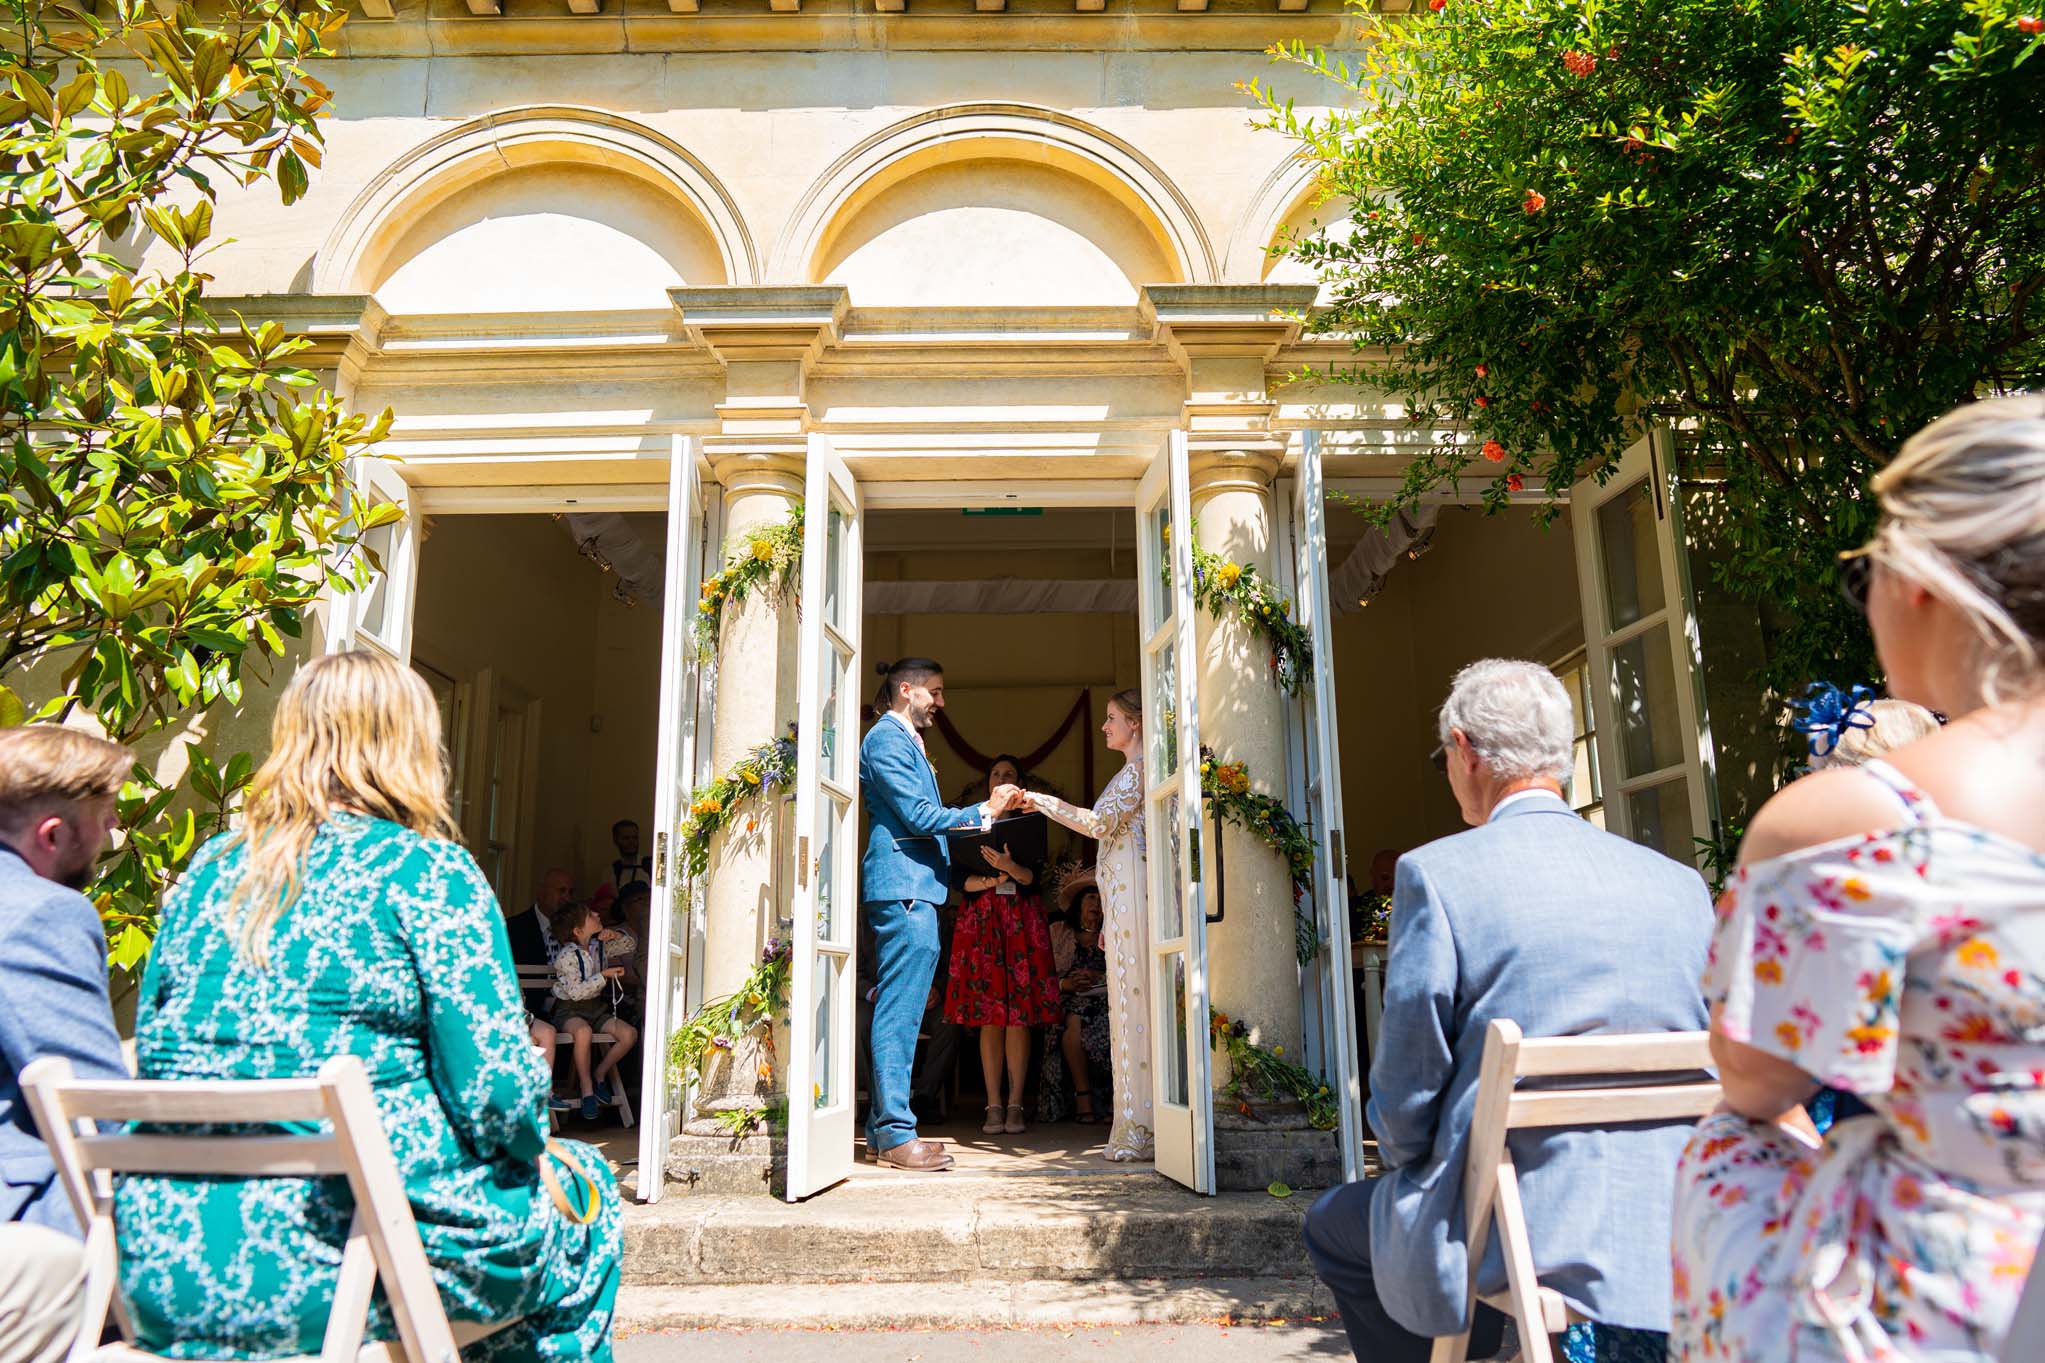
{"x": 769, "y": 556}
{"x": 1225, "y": 786}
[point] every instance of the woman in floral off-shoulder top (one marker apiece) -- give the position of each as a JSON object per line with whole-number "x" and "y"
{"x": 1116, "y": 823}
{"x": 1885, "y": 936}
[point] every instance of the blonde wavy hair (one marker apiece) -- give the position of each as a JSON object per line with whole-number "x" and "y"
{"x": 353, "y": 730}
{"x": 1963, "y": 515}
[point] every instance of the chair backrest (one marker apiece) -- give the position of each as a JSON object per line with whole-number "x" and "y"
{"x": 2027, "y": 1327}
{"x": 1660, "y": 1070}
{"x": 383, "y": 1241}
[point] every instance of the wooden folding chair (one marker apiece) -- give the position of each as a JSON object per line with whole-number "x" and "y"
{"x": 1491, "y": 1186}
{"x": 2026, "y": 1337}
{"x": 541, "y": 976}
{"x": 383, "y": 1241}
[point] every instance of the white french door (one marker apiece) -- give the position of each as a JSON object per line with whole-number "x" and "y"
{"x": 378, "y": 614}
{"x": 1183, "y": 1095}
{"x": 1640, "y": 633}
{"x": 668, "y": 918}
{"x": 822, "y": 980}
{"x": 1317, "y": 799}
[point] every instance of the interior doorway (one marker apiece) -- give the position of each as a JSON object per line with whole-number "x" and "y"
{"x": 540, "y": 635}
{"x": 1033, "y": 613}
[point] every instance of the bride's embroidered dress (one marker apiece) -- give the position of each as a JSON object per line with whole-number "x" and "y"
{"x": 1116, "y": 824}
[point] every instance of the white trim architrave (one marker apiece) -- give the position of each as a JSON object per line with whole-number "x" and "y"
{"x": 508, "y": 139}
{"x": 1028, "y": 132}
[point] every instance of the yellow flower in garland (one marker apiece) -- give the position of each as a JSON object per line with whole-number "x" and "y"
{"x": 749, "y": 776}
{"x": 763, "y": 549}
{"x": 1229, "y": 574}
{"x": 708, "y": 605}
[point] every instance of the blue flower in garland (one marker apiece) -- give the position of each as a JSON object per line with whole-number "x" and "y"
{"x": 1825, "y": 713}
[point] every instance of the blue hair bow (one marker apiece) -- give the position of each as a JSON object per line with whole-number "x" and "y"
{"x": 1825, "y": 713}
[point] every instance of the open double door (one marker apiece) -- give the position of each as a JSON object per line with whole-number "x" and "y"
{"x": 1642, "y": 647}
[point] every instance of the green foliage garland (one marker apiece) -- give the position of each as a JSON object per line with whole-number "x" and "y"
{"x": 1798, "y": 232}
{"x": 174, "y": 493}
{"x": 770, "y": 556}
{"x": 1219, "y": 582}
{"x": 720, "y": 1024}
{"x": 712, "y": 807}
{"x": 1225, "y": 788}
{"x": 1257, "y": 1074}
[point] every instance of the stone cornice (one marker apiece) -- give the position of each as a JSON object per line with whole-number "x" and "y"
{"x": 747, "y": 322}
{"x": 1227, "y": 321}
{"x": 418, "y": 28}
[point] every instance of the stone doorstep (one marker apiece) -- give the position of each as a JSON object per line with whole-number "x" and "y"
{"x": 938, "y": 1230}
{"x": 980, "y": 1304}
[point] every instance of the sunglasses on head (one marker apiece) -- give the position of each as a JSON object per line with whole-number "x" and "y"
{"x": 1856, "y": 572}
{"x": 1440, "y": 758}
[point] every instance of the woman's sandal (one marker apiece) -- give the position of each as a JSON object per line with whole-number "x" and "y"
{"x": 996, "y": 1119}
{"x": 1015, "y": 1125}
{"x": 1085, "y": 1115}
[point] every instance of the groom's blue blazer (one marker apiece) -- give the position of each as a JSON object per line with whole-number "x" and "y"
{"x": 901, "y": 796}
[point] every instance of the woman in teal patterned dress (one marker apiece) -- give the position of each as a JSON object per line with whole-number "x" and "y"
{"x": 342, "y": 918}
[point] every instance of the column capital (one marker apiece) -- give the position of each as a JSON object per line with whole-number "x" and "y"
{"x": 741, "y": 323}
{"x": 746, "y": 467}
{"x": 1237, "y": 465}
{"x": 1226, "y": 321}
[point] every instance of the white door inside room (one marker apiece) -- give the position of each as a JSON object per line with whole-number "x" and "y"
{"x": 378, "y": 614}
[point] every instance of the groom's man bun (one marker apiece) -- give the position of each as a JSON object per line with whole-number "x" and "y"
{"x": 914, "y": 671}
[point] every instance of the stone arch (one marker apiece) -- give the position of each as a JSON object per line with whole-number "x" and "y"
{"x": 1285, "y": 196}
{"x": 1015, "y": 134}
{"x": 510, "y": 141}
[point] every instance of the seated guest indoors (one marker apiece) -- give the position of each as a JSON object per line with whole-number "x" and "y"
{"x": 1531, "y": 915}
{"x": 57, "y": 791}
{"x": 1884, "y": 935}
{"x": 586, "y": 993}
{"x": 342, "y": 918}
{"x": 1077, "y": 1055}
{"x": 630, "y": 868}
{"x": 531, "y": 930}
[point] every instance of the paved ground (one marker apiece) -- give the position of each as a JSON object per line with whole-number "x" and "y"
{"x": 1279, "y": 1342}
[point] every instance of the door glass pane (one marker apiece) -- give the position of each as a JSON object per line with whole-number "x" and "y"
{"x": 1172, "y": 1083}
{"x": 835, "y": 664}
{"x": 1171, "y": 905}
{"x": 1160, "y": 716}
{"x": 825, "y": 1087}
{"x": 1644, "y": 687}
{"x": 834, "y": 568}
{"x": 1632, "y": 566}
{"x": 1661, "y": 819}
{"x": 375, "y": 601}
{"x": 1157, "y": 584}
{"x": 828, "y": 813}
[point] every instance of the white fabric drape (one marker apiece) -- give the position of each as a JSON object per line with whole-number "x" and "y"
{"x": 1002, "y": 596}
{"x": 1362, "y": 575}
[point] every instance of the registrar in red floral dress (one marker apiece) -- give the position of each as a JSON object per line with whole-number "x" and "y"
{"x": 1002, "y": 974}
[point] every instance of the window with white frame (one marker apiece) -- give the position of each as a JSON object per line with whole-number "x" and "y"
{"x": 1586, "y": 793}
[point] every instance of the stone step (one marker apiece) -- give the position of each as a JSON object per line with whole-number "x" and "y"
{"x": 971, "y": 1304}
{"x": 939, "y": 1229}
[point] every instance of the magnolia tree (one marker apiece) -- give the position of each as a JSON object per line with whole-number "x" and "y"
{"x": 1799, "y": 230}
{"x": 175, "y": 494}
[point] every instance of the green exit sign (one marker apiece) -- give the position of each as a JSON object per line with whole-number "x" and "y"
{"x": 1004, "y": 510}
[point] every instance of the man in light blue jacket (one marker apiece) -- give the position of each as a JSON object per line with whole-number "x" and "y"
{"x": 1533, "y": 915}
{"x": 904, "y": 877}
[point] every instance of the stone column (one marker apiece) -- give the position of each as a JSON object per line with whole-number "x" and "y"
{"x": 767, "y": 339}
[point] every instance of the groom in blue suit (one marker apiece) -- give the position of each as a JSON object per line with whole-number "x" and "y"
{"x": 903, "y": 878}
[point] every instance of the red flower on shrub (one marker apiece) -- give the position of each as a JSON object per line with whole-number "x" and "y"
{"x": 1483, "y": 372}
{"x": 1535, "y": 201}
{"x": 1579, "y": 63}
{"x": 1437, "y": 5}
{"x": 1483, "y": 401}
{"x": 1494, "y": 451}
{"x": 2031, "y": 24}
{"x": 1515, "y": 482}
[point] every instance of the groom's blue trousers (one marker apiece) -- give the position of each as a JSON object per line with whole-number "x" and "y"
{"x": 905, "y": 938}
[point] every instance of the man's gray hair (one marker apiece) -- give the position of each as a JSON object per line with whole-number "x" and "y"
{"x": 1516, "y": 715}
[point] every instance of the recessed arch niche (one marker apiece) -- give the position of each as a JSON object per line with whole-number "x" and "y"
{"x": 539, "y": 209}
{"x": 993, "y": 205}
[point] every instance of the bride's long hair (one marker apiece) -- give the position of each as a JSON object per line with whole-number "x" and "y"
{"x": 354, "y": 730}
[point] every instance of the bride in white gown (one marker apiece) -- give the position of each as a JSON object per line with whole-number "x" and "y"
{"x": 1116, "y": 824}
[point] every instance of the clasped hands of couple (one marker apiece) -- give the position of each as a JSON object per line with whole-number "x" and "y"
{"x": 1005, "y": 799}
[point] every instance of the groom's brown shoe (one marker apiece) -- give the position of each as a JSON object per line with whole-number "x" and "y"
{"x": 919, "y": 1155}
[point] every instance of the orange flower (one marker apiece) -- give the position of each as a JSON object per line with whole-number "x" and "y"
{"x": 1974, "y": 951}
{"x": 1908, "y": 1192}
{"x": 1788, "y": 1035}
{"x": 1494, "y": 451}
{"x": 1768, "y": 972}
{"x": 1856, "y": 889}
{"x": 1534, "y": 202}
